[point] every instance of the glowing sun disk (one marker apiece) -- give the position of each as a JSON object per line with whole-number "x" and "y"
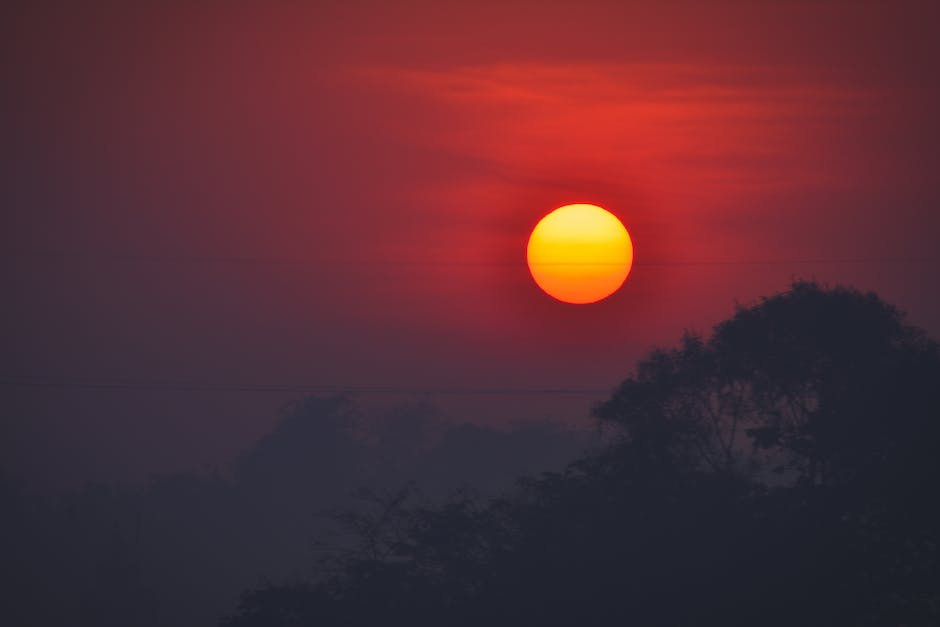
{"x": 579, "y": 253}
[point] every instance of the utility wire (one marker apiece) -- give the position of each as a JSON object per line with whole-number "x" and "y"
{"x": 31, "y": 381}
{"x": 28, "y": 381}
{"x": 305, "y": 261}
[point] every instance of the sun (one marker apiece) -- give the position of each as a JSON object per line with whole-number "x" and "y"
{"x": 579, "y": 253}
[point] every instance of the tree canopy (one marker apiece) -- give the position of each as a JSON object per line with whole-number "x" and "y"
{"x": 781, "y": 471}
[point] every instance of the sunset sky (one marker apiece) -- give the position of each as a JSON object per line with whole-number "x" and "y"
{"x": 337, "y": 195}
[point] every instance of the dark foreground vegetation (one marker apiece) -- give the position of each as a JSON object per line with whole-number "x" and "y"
{"x": 178, "y": 550}
{"x": 782, "y": 472}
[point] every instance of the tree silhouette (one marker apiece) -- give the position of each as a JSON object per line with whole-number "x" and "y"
{"x": 782, "y": 471}
{"x": 178, "y": 550}
{"x": 829, "y": 383}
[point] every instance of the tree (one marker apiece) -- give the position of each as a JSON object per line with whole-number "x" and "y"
{"x": 821, "y": 385}
{"x": 779, "y": 472}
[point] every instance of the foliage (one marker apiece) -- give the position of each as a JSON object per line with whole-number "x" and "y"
{"x": 178, "y": 550}
{"x": 781, "y": 472}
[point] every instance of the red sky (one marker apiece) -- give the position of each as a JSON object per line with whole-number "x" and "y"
{"x": 339, "y": 194}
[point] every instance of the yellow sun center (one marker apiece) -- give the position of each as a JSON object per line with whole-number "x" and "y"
{"x": 579, "y": 253}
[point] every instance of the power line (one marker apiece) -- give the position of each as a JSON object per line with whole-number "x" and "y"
{"x": 33, "y": 381}
{"x": 305, "y": 261}
{"x": 780, "y": 262}
{"x": 29, "y": 381}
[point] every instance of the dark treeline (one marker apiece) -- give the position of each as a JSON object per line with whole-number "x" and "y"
{"x": 177, "y": 551}
{"x": 781, "y": 472}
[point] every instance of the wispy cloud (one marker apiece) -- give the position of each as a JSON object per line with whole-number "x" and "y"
{"x": 711, "y": 128}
